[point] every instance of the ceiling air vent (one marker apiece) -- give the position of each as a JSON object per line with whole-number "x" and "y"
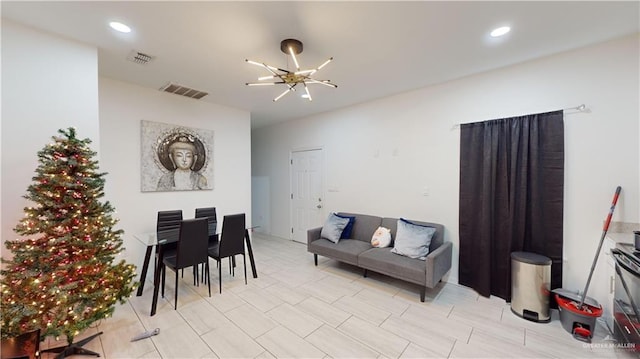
{"x": 183, "y": 91}
{"x": 139, "y": 57}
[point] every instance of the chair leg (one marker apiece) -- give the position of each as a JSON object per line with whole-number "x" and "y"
{"x": 205, "y": 279}
{"x": 203, "y": 276}
{"x": 220, "y": 277}
{"x": 162, "y": 272}
{"x": 206, "y": 265}
{"x": 315, "y": 259}
{"x": 422, "y": 293}
{"x": 244, "y": 261}
{"x": 233, "y": 266}
{"x": 176, "y": 299}
{"x": 196, "y": 282}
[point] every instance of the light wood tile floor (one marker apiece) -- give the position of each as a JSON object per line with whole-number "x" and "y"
{"x": 297, "y": 310}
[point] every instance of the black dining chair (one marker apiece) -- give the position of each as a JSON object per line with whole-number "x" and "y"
{"x": 191, "y": 251}
{"x": 168, "y": 220}
{"x": 24, "y": 346}
{"x": 210, "y": 214}
{"x": 231, "y": 243}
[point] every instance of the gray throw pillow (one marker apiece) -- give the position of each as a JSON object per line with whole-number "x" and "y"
{"x": 412, "y": 240}
{"x": 333, "y": 227}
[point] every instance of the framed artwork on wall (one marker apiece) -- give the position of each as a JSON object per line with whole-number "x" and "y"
{"x": 175, "y": 158}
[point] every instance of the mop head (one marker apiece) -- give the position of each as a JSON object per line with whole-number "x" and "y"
{"x": 585, "y": 308}
{"x": 574, "y": 306}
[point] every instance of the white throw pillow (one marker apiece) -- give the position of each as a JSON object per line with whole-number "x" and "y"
{"x": 381, "y": 238}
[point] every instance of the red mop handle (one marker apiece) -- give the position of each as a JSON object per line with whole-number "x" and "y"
{"x": 613, "y": 206}
{"x": 604, "y": 233}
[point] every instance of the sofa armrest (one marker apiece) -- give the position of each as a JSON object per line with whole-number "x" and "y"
{"x": 438, "y": 264}
{"x": 313, "y": 234}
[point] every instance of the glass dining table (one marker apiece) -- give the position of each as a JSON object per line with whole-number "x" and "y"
{"x": 158, "y": 240}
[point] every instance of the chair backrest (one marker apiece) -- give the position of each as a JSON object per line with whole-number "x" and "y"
{"x": 168, "y": 220}
{"x": 25, "y": 345}
{"x": 210, "y": 214}
{"x": 232, "y": 241}
{"x": 193, "y": 242}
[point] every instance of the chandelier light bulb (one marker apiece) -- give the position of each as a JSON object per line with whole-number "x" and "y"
{"x": 295, "y": 60}
{"x": 284, "y": 93}
{"x": 307, "y": 95}
{"x": 324, "y": 64}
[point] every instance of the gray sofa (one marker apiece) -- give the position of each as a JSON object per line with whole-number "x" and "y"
{"x": 359, "y": 252}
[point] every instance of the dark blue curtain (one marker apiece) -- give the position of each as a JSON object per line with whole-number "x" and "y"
{"x": 511, "y": 198}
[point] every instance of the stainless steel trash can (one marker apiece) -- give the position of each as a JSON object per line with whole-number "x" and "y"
{"x": 530, "y": 282}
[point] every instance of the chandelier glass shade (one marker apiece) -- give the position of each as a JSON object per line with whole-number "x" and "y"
{"x": 291, "y": 79}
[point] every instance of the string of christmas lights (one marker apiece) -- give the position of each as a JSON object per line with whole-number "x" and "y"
{"x": 62, "y": 276}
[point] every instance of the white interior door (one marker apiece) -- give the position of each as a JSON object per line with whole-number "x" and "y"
{"x": 306, "y": 193}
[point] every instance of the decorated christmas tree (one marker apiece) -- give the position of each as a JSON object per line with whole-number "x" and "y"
{"x": 62, "y": 276}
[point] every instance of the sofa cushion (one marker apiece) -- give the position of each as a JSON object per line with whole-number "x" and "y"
{"x": 346, "y": 250}
{"x": 346, "y": 233}
{"x": 364, "y": 226}
{"x": 412, "y": 240}
{"x": 333, "y": 227}
{"x": 381, "y": 260}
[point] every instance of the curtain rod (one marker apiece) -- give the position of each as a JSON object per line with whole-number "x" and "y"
{"x": 580, "y": 108}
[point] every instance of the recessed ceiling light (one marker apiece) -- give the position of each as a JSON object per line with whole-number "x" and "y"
{"x": 500, "y": 31}
{"x": 118, "y": 26}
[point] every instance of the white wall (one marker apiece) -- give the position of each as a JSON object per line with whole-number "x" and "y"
{"x": 380, "y": 155}
{"x": 122, "y": 107}
{"x": 261, "y": 204}
{"x": 48, "y": 83}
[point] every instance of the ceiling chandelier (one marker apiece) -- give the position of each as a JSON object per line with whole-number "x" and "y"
{"x": 290, "y": 78}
